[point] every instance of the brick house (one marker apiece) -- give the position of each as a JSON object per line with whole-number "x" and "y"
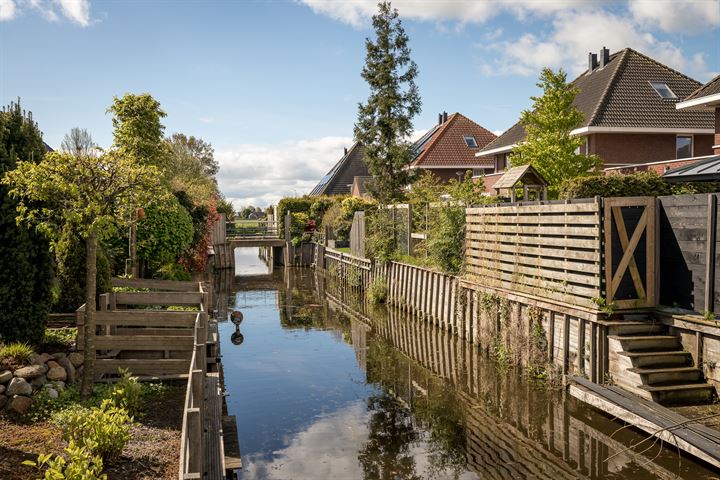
{"x": 449, "y": 149}
{"x": 628, "y": 101}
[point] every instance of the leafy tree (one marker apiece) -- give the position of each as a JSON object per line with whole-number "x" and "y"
{"x": 138, "y": 128}
{"x": 224, "y": 206}
{"x": 94, "y": 196}
{"x": 197, "y": 148}
{"x": 79, "y": 142}
{"x": 548, "y": 146}
{"x": 25, "y": 260}
{"x": 385, "y": 121}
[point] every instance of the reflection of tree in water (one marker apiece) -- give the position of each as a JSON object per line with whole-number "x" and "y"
{"x": 403, "y": 413}
{"x": 386, "y": 454}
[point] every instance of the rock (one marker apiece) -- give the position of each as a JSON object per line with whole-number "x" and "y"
{"x": 57, "y": 373}
{"x": 76, "y": 359}
{"x": 31, "y": 371}
{"x": 59, "y": 386}
{"x": 19, "y": 404}
{"x": 59, "y": 355}
{"x": 45, "y": 357}
{"x": 3, "y": 401}
{"x": 52, "y": 364}
{"x": 6, "y": 376}
{"x": 52, "y": 393}
{"x": 38, "y": 382}
{"x": 69, "y": 369}
{"x": 18, "y": 386}
{"x": 35, "y": 359}
{"x": 2, "y": 388}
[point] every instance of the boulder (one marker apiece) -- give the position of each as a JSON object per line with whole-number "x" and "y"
{"x": 59, "y": 355}
{"x": 52, "y": 393}
{"x": 59, "y": 386}
{"x": 31, "y": 371}
{"x": 76, "y": 359}
{"x": 52, "y": 364}
{"x": 3, "y": 401}
{"x": 18, "y": 386}
{"x": 19, "y": 404}
{"x": 38, "y": 382}
{"x": 35, "y": 359}
{"x": 57, "y": 373}
{"x": 6, "y": 376}
{"x": 45, "y": 357}
{"x": 69, "y": 369}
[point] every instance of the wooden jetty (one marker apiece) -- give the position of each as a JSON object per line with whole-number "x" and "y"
{"x": 654, "y": 419}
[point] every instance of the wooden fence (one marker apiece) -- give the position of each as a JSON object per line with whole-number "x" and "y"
{"x": 357, "y": 235}
{"x": 547, "y": 250}
{"x": 351, "y": 271}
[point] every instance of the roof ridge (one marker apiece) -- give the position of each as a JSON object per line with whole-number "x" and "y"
{"x": 433, "y": 141}
{"x": 662, "y": 65}
{"x": 603, "y": 98}
{"x": 702, "y": 87}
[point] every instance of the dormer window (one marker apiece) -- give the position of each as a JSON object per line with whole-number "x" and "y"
{"x": 470, "y": 141}
{"x": 663, "y": 90}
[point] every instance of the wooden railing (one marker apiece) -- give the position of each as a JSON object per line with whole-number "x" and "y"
{"x": 353, "y": 272}
{"x": 191, "y": 437}
{"x": 251, "y": 228}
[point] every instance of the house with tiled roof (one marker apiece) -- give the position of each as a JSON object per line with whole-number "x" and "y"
{"x": 706, "y": 99}
{"x": 340, "y": 178}
{"x": 449, "y": 149}
{"x": 628, "y": 102}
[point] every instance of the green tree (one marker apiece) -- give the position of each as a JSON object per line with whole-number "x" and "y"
{"x": 25, "y": 260}
{"x": 548, "y": 146}
{"x": 190, "y": 167}
{"x": 385, "y": 122}
{"x": 165, "y": 232}
{"x": 199, "y": 149}
{"x": 94, "y": 196}
{"x": 138, "y": 129}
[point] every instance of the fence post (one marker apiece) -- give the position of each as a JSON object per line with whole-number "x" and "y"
{"x": 710, "y": 254}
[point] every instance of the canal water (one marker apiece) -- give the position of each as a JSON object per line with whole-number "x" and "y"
{"x": 324, "y": 387}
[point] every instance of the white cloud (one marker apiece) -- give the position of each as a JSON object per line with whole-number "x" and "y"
{"x": 574, "y": 34}
{"x": 677, "y": 16}
{"x": 207, "y": 119}
{"x": 77, "y": 11}
{"x": 260, "y": 175}
{"x": 7, "y": 10}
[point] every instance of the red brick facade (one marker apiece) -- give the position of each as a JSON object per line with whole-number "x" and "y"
{"x": 622, "y": 149}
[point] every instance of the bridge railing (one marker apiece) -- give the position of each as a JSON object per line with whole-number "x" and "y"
{"x": 252, "y": 228}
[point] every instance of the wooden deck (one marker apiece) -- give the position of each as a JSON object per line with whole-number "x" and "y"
{"x": 698, "y": 440}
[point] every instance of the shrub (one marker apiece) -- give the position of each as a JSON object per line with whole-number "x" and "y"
{"x": 21, "y": 352}
{"x": 173, "y": 271}
{"x": 106, "y": 427}
{"x": 381, "y": 242}
{"x": 80, "y": 465}
{"x": 165, "y": 233}
{"x": 636, "y": 184}
{"x": 60, "y": 337}
{"x": 127, "y": 393}
{"x": 447, "y": 238}
{"x": 70, "y": 261}
{"x": 377, "y": 291}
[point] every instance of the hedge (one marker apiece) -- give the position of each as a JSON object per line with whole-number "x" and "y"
{"x": 639, "y": 184}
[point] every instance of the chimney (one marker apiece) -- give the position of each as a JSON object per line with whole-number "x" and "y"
{"x": 345, "y": 150}
{"x": 439, "y": 118}
{"x": 592, "y": 62}
{"x": 444, "y": 117}
{"x": 604, "y": 56}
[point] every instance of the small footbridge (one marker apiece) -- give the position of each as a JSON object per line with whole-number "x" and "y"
{"x": 252, "y": 233}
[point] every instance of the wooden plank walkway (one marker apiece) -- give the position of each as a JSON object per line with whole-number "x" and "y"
{"x": 697, "y": 440}
{"x": 214, "y": 449}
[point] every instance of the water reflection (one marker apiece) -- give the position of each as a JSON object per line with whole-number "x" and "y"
{"x": 328, "y": 388}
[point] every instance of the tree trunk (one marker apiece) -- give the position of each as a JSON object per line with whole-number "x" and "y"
{"x": 90, "y": 293}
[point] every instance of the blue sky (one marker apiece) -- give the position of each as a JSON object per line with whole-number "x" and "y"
{"x": 274, "y": 85}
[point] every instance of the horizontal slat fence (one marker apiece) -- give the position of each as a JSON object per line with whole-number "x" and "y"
{"x": 549, "y": 250}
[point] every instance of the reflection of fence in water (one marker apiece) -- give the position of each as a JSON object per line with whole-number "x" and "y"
{"x": 514, "y": 429}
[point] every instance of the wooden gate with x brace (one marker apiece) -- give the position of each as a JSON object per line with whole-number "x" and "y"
{"x": 631, "y": 263}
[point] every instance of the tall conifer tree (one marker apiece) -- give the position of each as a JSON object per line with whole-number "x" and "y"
{"x": 385, "y": 121}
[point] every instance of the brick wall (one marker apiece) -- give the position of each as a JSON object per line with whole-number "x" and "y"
{"x": 619, "y": 148}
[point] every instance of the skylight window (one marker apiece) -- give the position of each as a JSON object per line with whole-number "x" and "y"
{"x": 663, "y": 90}
{"x": 470, "y": 141}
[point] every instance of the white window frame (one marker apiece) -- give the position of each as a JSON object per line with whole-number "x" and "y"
{"x": 659, "y": 82}
{"x": 692, "y": 146}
